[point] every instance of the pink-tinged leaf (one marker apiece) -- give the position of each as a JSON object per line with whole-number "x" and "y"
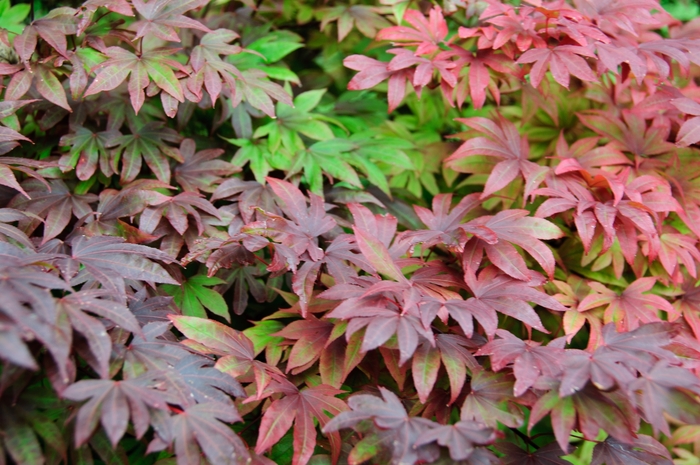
{"x": 689, "y": 133}
{"x": 491, "y": 401}
{"x": 687, "y": 106}
{"x": 300, "y": 407}
{"x": 277, "y": 420}
{"x": 293, "y": 199}
{"x": 562, "y": 60}
{"x": 332, "y": 363}
{"x": 516, "y": 227}
{"x": 456, "y": 357}
{"x": 502, "y": 175}
{"x": 50, "y": 87}
{"x": 426, "y": 364}
{"x": 372, "y": 72}
{"x": 10, "y": 135}
{"x": 507, "y": 259}
{"x": 377, "y": 254}
{"x": 221, "y": 339}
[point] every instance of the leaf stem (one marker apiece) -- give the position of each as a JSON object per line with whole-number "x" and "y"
{"x": 525, "y": 438}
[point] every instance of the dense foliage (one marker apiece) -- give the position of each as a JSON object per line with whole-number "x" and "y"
{"x": 295, "y": 231}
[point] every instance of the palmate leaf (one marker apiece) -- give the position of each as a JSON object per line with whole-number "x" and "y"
{"x": 495, "y": 235}
{"x": 326, "y": 157}
{"x": 151, "y": 66}
{"x": 160, "y": 18}
{"x": 504, "y": 142}
{"x": 204, "y": 427}
{"x": 546, "y": 455}
{"x": 194, "y": 295}
{"x": 55, "y": 204}
{"x": 668, "y": 389}
{"x": 236, "y": 350}
{"x": 563, "y": 61}
{"x": 114, "y": 403}
{"x": 231, "y": 79}
{"x": 147, "y": 142}
{"x": 365, "y": 18}
{"x": 442, "y": 222}
{"x": 300, "y": 407}
{"x": 203, "y": 383}
{"x": 461, "y": 438}
{"x": 495, "y": 292}
{"x": 587, "y": 411}
{"x": 426, "y": 33}
{"x": 87, "y": 152}
{"x": 642, "y": 450}
{"x": 114, "y": 206}
{"x": 53, "y": 28}
{"x": 110, "y": 260}
{"x": 201, "y": 170}
{"x": 381, "y": 324}
{"x": 631, "y": 307}
{"x": 45, "y": 81}
{"x": 177, "y": 210}
{"x": 245, "y": 281}
{"x": 388, "y": 413}
{"x": 530, "y": 360}
{"x": 294, "y": 120}
{"x": 77, "y": 307}
{"x": 311, "y": 337}
{"x": 630, "y": 134}
{"x": 491, "y": 400}
{"x": 300, "y": 235}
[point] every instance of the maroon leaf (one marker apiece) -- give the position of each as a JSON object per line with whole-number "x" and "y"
{"x": 205, "y": 427}
{"x": 201, "y": 170}
{"x": 546, "y": 455}
{"x": 114, "y": 402}
{"x": 643, "y": 450}
{"x": 530, "y": 360}
{"x": 54, "y": 203}
{"x": 461, "y": 438}
{"x": 491, "y": 400}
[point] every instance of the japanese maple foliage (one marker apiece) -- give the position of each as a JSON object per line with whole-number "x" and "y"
{"x": 220, "y": 245}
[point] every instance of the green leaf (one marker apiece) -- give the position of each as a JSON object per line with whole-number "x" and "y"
{"x": 307, "y": 101}
{"x": 194, "y": 295}
{"x": 276, "y": 45}
{"x": 21, "y": 441}
{"x": 261, "y": 334}
{"x": 365, "y": 449}
{"x": 281, "y": 74}
{"x": 283, "y": 451}
{"x": 11, "y": 18}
